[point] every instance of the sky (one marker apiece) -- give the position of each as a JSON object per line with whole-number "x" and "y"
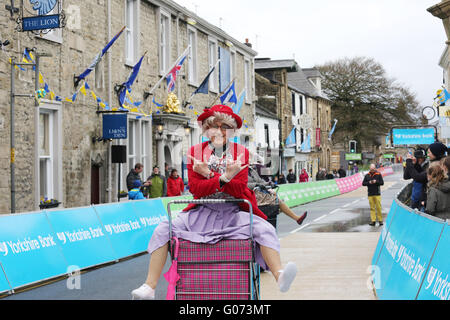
{"x": 401, "y": 35}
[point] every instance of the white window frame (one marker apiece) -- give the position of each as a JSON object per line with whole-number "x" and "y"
{"x": 54, "y": 174}
{"x": 247, "y": 80}
{"x": 232, "y": 63}
{"x": 145, "y": 146}
{"x": 140, "y": 129}
{"x": 49, "y": 159}
{"x": 212, "y": 60}
{"x": 192, "y": 57}
{"x": 131, "y": 31}
{"x": 164, "y": 47}
{"x": 132, "y": 146}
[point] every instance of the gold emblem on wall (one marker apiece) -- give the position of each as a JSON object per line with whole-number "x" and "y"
{"x": 172, "y": 105}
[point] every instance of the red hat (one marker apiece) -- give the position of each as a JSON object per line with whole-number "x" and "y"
{"x": 208, "y": 112}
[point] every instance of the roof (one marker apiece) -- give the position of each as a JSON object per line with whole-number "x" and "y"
{"x": 260, "y": 110}
{"x": 268, "y": 64}
{"x": 299, "y": 81}
{"x": 312, "y": 73}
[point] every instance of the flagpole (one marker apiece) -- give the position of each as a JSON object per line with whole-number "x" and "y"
{"x": 170, "y": 69}
{"x": 193, "y": 93}
{"x": 221, "y": 93}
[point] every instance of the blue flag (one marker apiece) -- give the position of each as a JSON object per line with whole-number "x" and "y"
{"x": 332, "y": 130}
{"x": 97, "y": 58}
{"x": 127, "y": 85}
{"x": 229, "y": 95}
{"x": 306, "y": 145}
{"x": 204, "y": 86}
{"x": 291, "y": 140}
{"x": 238, "y": 105}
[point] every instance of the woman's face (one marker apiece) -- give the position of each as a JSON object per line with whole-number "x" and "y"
{"x": 430, "y": 155}
{"x": 219, "y": 133}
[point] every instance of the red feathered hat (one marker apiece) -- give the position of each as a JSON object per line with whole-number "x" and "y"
{"x": 208, "y": 112}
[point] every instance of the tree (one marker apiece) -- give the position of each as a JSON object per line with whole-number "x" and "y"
{"x": 364, "y": 100}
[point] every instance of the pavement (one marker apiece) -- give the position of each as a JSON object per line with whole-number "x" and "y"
{"x": 332, "y": 248}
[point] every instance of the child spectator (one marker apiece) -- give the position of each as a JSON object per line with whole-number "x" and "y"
{"x": 175, "y": 185}
{"x": 136, "y": 193}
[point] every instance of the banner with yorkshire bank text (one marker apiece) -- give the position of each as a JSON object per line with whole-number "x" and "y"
{"x": 130, "y": 225}
{"x": 437, "y": 280}
{"x": 413, "y": 136}
{"x": 407, "y": 251}
{"x": 83, "y": 239}
{"x": 29, "y": 249}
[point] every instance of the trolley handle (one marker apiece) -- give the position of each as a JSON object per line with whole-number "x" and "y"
{"x": 204, "y": 201}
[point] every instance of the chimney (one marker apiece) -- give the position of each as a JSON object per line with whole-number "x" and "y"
{"x": 248, "y": 44}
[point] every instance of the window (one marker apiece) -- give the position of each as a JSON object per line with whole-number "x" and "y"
{"x": 131, "y": 31}
{"x": 266, "y": 135}
{"x": 192, "y": 58}
{"x": 46, "y": 155}
{"x": 233, "y": 64}
{"x": 145, "y": 148}
{"x": 301, "y": 105}
{"x": 293, "y": 104}
{"x": 139, "y": 145}
{"x": 247, "y": 81}
{"x": 164, "y": 42}
{"x": 212, "y": 59}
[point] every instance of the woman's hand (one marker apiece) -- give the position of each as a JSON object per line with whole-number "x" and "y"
{"x": 200, "y": 167}
{"x": 233, "y": 168}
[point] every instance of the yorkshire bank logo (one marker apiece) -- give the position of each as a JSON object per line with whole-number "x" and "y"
{"x": 3, "y": 248}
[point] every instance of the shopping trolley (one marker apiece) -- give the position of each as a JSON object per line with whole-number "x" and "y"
{"x": 225, "y": 270}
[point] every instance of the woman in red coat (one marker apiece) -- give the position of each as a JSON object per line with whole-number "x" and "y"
{"x": 218, "y": 169}
{"x": 304, "y": 176}
{"x": 175, "y": 185}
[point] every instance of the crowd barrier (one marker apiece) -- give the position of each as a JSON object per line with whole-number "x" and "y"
{"x": 411, "y": 260}
{"x": 38, "y": 246}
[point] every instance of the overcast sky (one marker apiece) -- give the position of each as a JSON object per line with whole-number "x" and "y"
{"x": 400, "y": 34}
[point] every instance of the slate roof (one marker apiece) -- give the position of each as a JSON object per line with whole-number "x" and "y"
{"x": 260, "y": 110}
{"x": 268, "y": 64}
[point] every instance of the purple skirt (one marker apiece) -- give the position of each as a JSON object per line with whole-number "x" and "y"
{"x": 210, "y": 223}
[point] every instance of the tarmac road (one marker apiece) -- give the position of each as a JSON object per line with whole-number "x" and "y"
{"x": 344, "y": 213}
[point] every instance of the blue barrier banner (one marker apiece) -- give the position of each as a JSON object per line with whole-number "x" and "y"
{"x": 127, "y": 232}
{"x": 150, "y": 213}
{"x": 4, "y": 285}
{"x": 83, "y": 239}
{"x": 409, "y": 245}
{"x": 384, "y": 231}
{"x": 29, "y": 249}
{"x": 436, "y": 285}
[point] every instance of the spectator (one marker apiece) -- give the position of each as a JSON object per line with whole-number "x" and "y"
{"x": 291, "y": 176}
{"x": 436, "y": 151}
{"x": 415, "y": 165}
{"x": 438, "y": 194}
{"x": 275, "y": 180}
{"x": 281, "y": 179}
{"x": 158, "y": 185}
{"x": 304, "y": 176}
{"x": 330, "y": 176}
{"x": 373, "y": 180}
{"x": 355, "y": 168}
{"x": 136, "y": 193}
{"x": 166, "y": 170}
{"x": 341, "y": 172}
{"x": 335, "y": 174}
{"x": 321, "y": 174}
{"x": 134, "y": 175}
{"x": 446, "y": 165}
{"x": 175, "y": 185}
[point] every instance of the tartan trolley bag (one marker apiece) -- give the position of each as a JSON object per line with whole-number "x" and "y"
{"x": 225, "y": 270}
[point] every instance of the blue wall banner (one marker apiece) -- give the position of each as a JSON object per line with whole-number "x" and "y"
{"x": 4, "y": 285}
{"x": 404, "y": 258}
{"x": 384, "y": 231}
{"x": 436, "y": 285}
{"x": 413, "y": 136}
{"x": 127, "y": 232}
{"x": 29, "y": 249}
{"x": 80, "y": 234}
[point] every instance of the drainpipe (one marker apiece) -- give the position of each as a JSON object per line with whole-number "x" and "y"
{"x": 108, "y": 156}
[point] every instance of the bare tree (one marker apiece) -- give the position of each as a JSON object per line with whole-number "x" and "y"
{"x": 366, "y": 101}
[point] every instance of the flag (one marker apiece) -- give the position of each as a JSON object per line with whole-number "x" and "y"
{"x": 306, "y": 145}
{"x": 291, "y": 140}
{"x": 238, "y": 105}
{"x": 332, "y": 129}
{"x": 28, "y": 57}
{"x": 126, "y": 86}
{"x": 158, "y": 105}
{"x": 171, "y": 78}
{"x": 204, "y": 86}
{"x": 97, "y": 58}
{"x": 83, "y": 89}
{"x": 229, "y": 95}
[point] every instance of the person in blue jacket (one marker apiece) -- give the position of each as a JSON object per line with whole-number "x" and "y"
{"x": 136, "y": 193}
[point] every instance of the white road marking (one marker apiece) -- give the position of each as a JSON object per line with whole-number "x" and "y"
{"x": 298, "y": 229}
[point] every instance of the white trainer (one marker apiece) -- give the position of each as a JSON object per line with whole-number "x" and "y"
{"x": 287, "y": 276}
{"x": 144, "y": 292}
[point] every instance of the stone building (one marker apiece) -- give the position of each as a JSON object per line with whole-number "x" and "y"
{"x": 59, "y": 151}
{"x": 295, "y": 96}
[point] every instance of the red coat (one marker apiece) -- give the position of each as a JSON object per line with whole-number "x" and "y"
{"x": 175, "y": 187}
{"x": 200, "y": 186}
{"x": 304, "y": 176}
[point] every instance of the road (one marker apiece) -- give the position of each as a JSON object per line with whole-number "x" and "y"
{"x": 344, "y": 213}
